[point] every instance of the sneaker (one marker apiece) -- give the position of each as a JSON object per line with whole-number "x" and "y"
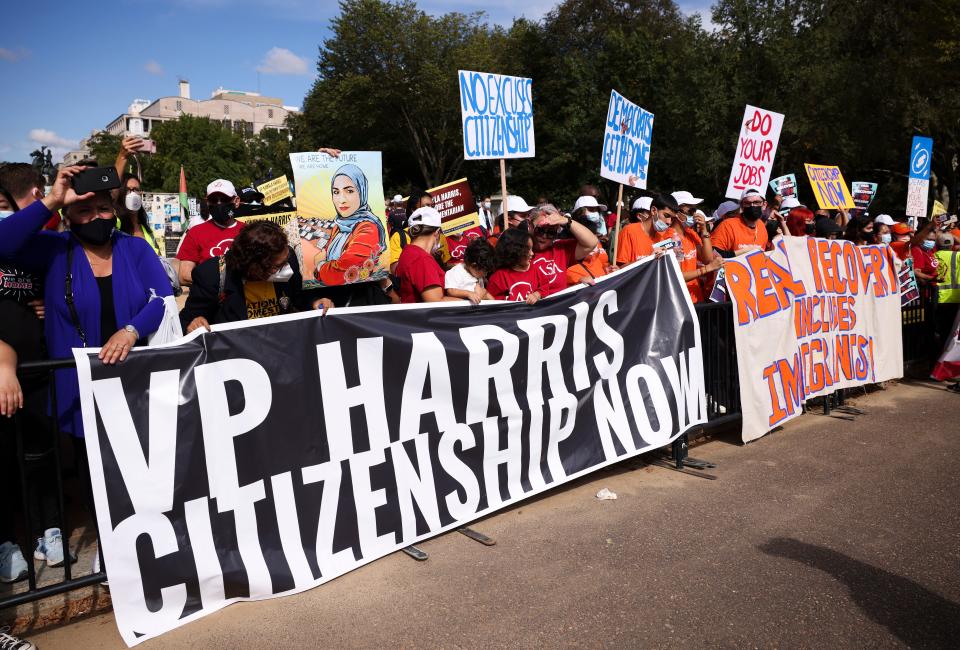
{"x": 10, "y": 642}
{"x": 12, "y": 565}
{"x": 96, "y": 567}
{"x": 50, "y": 548}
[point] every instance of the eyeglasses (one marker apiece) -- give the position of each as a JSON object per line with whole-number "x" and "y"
{"x": 216, "y": 200}
{"x": 753, "y": 204}
{"x": 547, "y": 233}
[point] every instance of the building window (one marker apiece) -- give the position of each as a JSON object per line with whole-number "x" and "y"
{"x": 179, "y": 106}
{"x": 270, "y": 113}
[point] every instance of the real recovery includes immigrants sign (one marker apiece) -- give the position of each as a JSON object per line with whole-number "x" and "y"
{"x": 628, "y": 133}
{"x": 811, "y": 316}
{"x": 756, "y": 149}
{"x": 271, "y": 456}
{"x": 497, "y": 113}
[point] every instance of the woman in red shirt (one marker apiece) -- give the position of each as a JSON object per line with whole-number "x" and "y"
{"x": 420, "y": 276}
{"x": 358, "y": 238}
{"x": 515, "y": 278}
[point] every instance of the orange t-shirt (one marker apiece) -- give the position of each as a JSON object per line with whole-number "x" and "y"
{"x": 634, "y": 243}
{"x": 733, "y": 235}
{"x": 593, "y": 266}
{"x": 690, "y": 242}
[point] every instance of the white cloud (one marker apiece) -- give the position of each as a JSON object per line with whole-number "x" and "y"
{"x": 280, "y": 60}
{"x": 153, "y": 67}
{"x": 13, "y": 55}
{"x": 51, "y": 139}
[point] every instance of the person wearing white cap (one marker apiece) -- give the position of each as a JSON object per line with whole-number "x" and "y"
{"x": 637, "y": 237}
{"x": 744, "y": 233}
{"x": 418, "y": 273}
{"x": 518, "y": 212}
{"x": 400, "y": 237}
{"x": 688, "y": 202}
{"x": 213, "y": 237}
{"x": 590, "y": 209}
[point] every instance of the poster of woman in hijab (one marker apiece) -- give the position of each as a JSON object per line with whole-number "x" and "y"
{"x": 342, "y": 217}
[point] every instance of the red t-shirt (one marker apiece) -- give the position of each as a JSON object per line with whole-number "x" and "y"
{"x": 507, "y": 284}
{"x": 552, "y": 264}
{"x": 417, "y": 271}
{"x": 207, "y": 240}
{"x": 925, "y": 261}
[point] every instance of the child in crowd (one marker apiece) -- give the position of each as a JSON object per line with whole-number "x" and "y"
{"x": 468, "y": 280}
{"x": 515, "y": 278}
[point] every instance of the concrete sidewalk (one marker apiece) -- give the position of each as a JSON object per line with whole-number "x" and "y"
{"x": 829, "y": 533}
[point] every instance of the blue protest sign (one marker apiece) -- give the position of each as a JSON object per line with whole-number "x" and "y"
{"x": 626, "y": 142}
{"x": 497, "y": 114}
{"x": 920, "y": 154}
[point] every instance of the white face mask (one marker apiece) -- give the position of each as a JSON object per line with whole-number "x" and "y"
{"x": 133, "y": 201}
{"x": 283, "y": 275}
{"x": 5, "y": 213}
{"x": 486, "y": 205}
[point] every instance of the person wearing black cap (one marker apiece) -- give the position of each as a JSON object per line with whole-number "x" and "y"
{"x": 827, "y": 228}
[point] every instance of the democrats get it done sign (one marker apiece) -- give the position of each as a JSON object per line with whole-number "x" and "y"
{"x": 627, "y": 136}
{"x": 497, "y": 113}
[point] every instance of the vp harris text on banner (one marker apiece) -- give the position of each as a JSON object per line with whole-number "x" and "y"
{"x": 811, "y": 316}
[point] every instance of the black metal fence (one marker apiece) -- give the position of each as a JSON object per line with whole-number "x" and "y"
{"x": 723, "y": 408}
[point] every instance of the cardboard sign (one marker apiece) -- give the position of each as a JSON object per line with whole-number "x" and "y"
{"x": 863, "y": 193}
{"x": 756, "y": 149}
{"x": 628, "y": 133}
{"x": 342, "y": 217}
{"x": 497, "y": 115}
{"x": 785, "y": 185}
{"x": 459, "y": 220}
{"x": 918, "y": 188}
{"x": 829, "y": 187}
{"x": 275, "y": 190}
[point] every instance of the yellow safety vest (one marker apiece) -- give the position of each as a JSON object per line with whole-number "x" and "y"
{"x": 948, "y": 276}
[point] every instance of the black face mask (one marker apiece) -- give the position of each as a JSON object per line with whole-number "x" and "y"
{"x": 809, "y": 228}
{"x": 221, "y": 213}
{"x": 95, "y": 232}
{"x": 752, "y": 212}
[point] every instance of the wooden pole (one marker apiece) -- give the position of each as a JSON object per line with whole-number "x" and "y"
{"x": 616, "y": 230}
{"x": 503, "y": 193}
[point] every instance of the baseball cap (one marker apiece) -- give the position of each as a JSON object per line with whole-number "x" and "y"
{"x": 685, "y": 198}
{"x": 885, "y": 219}
{"x": 724, "y": 209}
{"x": 425, "y": 216}
{"x": 643, "y": 203}
{"x": 221, "y": 186}
{"x": 901, "y": 229}
{"x": 945, "y": 240}
{"x": 587, "y": 202}
{"x": 789, "y": 203}
{"x": 516, "y": 204}
{"x": 750, "y": 190}
{"x": 397, "y": 198}
{"x": 250, "y": 195}
{"x": 827, "y": 227}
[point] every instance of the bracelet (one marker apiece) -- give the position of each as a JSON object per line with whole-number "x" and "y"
{"x": 132, "y": 330}
{"x": 388, "y": 288}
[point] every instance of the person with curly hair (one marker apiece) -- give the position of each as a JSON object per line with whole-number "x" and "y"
{"x": 468, "y": 280}
{"x": 515, "y": 278}
{"x": 258, "y": 277}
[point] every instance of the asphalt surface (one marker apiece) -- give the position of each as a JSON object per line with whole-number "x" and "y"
{"x": 830, "y": 533}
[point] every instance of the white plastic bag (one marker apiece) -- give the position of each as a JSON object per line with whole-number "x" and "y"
{"x": 169, "y": 329}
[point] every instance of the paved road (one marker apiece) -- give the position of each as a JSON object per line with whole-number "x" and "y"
{"x": 829, "y": 533}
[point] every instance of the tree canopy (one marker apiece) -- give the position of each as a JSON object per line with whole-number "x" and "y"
{"x": 856, "y": 80}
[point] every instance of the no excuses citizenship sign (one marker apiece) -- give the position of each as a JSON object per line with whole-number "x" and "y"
{"x": 497, "y": 114}
{"x": 756, "y": 148}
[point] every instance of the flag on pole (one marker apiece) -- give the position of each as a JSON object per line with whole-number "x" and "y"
{"x": 183, "y": 194}
{"x": 948, "y": 366}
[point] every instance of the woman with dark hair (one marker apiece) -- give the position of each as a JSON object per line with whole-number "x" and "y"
{"x": 515, "y": 278}
{"x": 258, "y": 277}
{"x": 859, "y": 231}
{"x": 133, "y": 217}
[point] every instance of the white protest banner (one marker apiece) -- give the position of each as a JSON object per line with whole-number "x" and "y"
{"x": 497, "y": 114}
{"x": 628, "y": 133}
{"x": 811, "y": 316}
{"x": 918, "y": 188}
{"x": 756, "y": 148}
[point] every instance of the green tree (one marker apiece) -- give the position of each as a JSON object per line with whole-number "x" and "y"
{"x": 268, "y": 155}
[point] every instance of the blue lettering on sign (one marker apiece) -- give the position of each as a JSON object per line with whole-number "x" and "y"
{"x": 920, "y": 154}
{"x": 497, "y": 115}
{"x": 626, "y": 142}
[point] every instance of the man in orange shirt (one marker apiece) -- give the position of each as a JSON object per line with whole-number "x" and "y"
{"x": 744, "y": 233}
{"x": 692, "y": 243}
{"x": 638, "y": 237}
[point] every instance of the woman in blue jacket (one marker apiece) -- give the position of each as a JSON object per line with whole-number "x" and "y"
{"x": 102, "y": 288}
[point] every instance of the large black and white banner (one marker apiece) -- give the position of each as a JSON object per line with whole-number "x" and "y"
{"x": 271, "y": 456}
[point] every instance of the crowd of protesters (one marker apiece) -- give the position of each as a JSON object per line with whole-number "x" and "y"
{"x": 84, "y": 270}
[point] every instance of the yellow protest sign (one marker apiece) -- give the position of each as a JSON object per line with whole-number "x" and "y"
{"x": 275, "y": 190}
{"x": 829, "y": 187}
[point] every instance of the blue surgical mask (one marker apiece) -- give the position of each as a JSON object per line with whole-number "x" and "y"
{"x": 660, "y": 226}
{"x": 597, "y": 219}
{"x": 689, "y": 221}
{"x": 5, "y": 213}
{"x": 886, "y": 238}
{"x": 928, "y": 244}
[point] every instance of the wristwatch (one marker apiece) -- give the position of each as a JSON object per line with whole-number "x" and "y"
{"x": 132, "y": 330}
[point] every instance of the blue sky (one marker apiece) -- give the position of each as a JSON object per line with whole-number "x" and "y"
{"x": 70, "y": 69}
